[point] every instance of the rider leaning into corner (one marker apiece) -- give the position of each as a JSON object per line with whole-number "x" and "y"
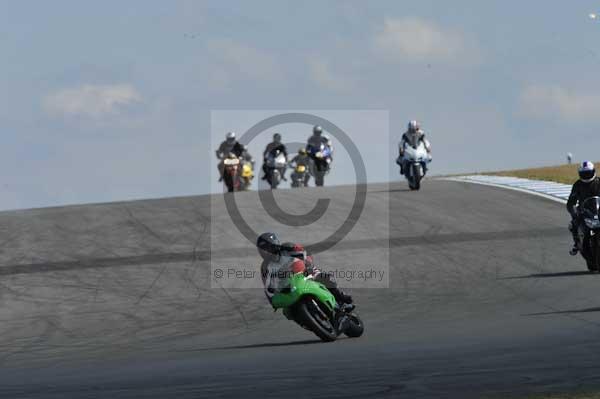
{"x": 274, "y": 145}
{"x": 229, "y": 146}
{"x": 292, "y": 257}
{"x": 414, "y": 134}
{"x": 587, "y": 186}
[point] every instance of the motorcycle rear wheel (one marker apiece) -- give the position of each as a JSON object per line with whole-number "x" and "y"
{"x": 275, "y": 179}
{"x": 355, "y": 326}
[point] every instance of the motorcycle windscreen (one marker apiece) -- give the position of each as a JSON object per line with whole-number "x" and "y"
{"x": 276, "y": 160}
{"x": 415, "y": 154}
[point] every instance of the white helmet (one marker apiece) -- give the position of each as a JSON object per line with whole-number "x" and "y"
{"x": 230, "y": 136}
{"x": 413, "y": 126}
{"x": 587, "y": 171}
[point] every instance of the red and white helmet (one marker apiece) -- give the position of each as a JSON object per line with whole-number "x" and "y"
{"x": 587, "y": 171}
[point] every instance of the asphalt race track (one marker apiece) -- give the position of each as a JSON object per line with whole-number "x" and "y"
{"x": 115, "y": 300}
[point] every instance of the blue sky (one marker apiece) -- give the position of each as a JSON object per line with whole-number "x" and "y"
{"x": 105, "y": 101}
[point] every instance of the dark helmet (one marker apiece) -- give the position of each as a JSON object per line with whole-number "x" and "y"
{"x": 317, "y": 130}
{"x": 268, "y": 245}
{"x": 230, "y": 137}
{"x": 277, "y": 138}
{"x": 587, "y": 171}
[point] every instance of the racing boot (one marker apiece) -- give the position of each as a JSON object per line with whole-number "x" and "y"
{"x": 347, "y": 307}
{"x": 574, "y": 250}
{"x": 264, "y": 169}
{"x": 339, "y": 295}
{"x": 346, "y": 298}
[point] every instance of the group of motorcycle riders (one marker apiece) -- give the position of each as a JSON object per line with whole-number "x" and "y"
{"x": 307, "y": 161}
{"x": 293, "y": 256}
{"x": 303, "y": 163}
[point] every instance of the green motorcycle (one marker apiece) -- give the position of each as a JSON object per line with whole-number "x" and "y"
{"x": 311, "y": 305}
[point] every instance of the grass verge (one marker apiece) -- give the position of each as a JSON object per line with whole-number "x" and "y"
{"x": 566, "y": 174}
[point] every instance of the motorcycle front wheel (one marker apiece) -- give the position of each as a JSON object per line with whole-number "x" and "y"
{"x": 319, "y": 180}
{"x": 275, "y": 179}
{"x": 417, "y": 176}
{"x": 313, "y": 317}
{"x": 229, "y": 183}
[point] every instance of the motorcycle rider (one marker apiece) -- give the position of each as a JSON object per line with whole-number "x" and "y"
{"x": 273, "y": 146}
{"x": 289, "y": 257}
{"x": 414, "y": 134}
{"x": 230, "y": 145}
{"x": 301, "y": 158}
{"x": 319, "y": 138}
{"x": 587, "y": 186}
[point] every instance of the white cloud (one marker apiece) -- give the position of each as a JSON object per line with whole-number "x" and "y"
{"x": 556, "y": 101}
{"x": 91, "y": 100}
{"x": 234, "y": 60}
{"x": 321, "y": 73}
{"x": 416, "y": 39}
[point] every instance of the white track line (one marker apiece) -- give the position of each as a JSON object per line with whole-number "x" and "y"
{"x": 550, "y": 190}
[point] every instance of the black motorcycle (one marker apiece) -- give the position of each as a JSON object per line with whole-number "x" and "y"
{"x": 321, "y": 162}
{"x": 589, "y": 232}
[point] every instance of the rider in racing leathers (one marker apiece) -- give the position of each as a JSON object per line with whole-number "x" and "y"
{"x": 587, "y": 186}
{"x": 319, "y": 138}
{"x": 301, "y": 158}
{"x": 291, "y": 257}
{"x": 230, "y": 145}
{"x": 414, "y": 134}
{"x": 273, "y": 146}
